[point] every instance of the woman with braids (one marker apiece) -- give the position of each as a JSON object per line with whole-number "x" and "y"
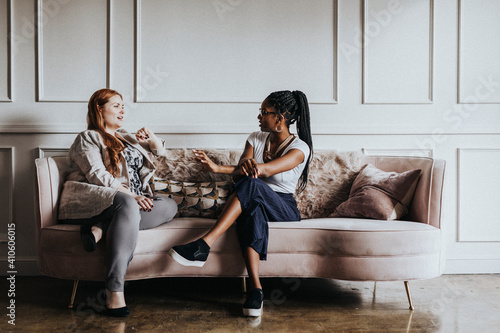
{"x": 108, "y": 192}
{"x": 272, "y": 163}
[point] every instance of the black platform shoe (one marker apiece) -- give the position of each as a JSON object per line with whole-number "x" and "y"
{"x": 88, "y": 239}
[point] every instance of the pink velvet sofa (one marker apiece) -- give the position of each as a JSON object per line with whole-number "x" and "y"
{"x": 354, "y": 249}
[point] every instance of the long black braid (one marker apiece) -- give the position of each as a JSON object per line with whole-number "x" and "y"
{"x": 293, "y": 106}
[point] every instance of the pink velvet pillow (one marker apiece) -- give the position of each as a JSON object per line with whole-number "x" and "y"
{"x": 379, "y": 195}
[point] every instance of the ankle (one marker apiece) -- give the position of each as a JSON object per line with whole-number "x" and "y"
{"x": 208, "y": 241}
{"x": 115, "y": 299}
{"x": 254, "y": 285}
{"x": 97, "y": 232}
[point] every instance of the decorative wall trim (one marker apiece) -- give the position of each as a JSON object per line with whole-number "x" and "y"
{"x": 335, "y": 53}
{"x": 9, "y": 151}
{"x": 398, "y": 152}
{"x": 25, "y": 266}
{"x": 460, "y": 176}
{"x": 40, "y": 97}
{"x": 431, "y": 59}
{"x": 472, "y": 266}
{"x": 42, "y": 129}
{"x": 138, "y": 70}
{"x": 355, "y": 130}
{"x": 108, "y": 44}
{"x": 8, "y": 51}
{"x": 460, "y": 98}
{"x": 41, "y": 152}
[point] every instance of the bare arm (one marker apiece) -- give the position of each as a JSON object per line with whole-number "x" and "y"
{"x": 249, "y": 167}
{"x": 210, "y": 165}
{"x": 284, "y": 163}
{"x": 235, "y": 170}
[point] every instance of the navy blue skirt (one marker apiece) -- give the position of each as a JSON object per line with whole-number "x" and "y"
{"x": 260, "y": 204}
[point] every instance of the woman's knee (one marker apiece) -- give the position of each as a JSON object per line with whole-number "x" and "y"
{"x": 126, "y": 204}
{"x": 169, "y": 208}
{"x": 249, "y": 180}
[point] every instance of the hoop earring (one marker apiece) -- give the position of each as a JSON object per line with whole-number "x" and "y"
{"x": 279, "y": 129}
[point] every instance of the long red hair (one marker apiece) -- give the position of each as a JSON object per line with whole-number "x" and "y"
{"x": 95, "y": 122}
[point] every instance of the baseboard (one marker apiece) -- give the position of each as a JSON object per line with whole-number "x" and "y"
{"x": 23, "y": 267}
{"x": 472, "y": 266}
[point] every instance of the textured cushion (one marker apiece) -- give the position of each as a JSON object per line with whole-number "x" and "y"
{"x": 180, "y": 164}
{"x": 194, "y": 199}
{"x": 380, "y": 195}
{"x": 331, "y": 175}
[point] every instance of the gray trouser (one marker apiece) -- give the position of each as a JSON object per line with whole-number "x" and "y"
{"x": 121, "y": 223}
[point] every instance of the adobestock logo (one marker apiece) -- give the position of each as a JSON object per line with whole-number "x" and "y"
{"x": 49, "y": 10}
{"x": 377, "y": 21}
{"x": 223, "y": 6}
{"x": 455, "y": 116}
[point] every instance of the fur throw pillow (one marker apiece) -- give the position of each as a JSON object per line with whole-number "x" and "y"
{"x": 331, "y": 175}
{"x": 180, "y": 165}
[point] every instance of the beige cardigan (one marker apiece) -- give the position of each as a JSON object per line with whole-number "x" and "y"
{"x": 90, "y": 188}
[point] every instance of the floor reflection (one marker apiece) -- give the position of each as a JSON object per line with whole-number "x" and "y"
{"x": 453, "y": 303}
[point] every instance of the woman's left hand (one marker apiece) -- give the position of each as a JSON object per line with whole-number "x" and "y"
{"x": 249, "y": 167}
{"x": 146, "y": 135}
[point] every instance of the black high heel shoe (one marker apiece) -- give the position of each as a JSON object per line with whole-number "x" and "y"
{"x": 119, "y": 312}
{"x": 88, "y": 239}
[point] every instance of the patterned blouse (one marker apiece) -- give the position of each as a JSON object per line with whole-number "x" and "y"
{"x": 134, "y": 160}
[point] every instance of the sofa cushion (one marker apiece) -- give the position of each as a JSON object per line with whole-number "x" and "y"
{"x": 331, "y": 174}
{"x": 343, "y": 248}
{"x": 380, "y": 195}
{"x": 194, "y": 199}
{"x": 327, "y": 236}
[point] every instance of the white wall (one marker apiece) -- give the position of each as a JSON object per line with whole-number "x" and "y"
{"x": 408, "y": 77}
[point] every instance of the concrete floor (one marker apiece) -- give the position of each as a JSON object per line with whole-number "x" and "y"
{"x": 450, "y": 303}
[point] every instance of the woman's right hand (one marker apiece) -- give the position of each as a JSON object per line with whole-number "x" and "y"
{"x": 144, "y": 203}
{"x": 207, "y": 163}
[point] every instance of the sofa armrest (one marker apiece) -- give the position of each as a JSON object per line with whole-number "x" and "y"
{"x": 50, "y": 175}
{"x": 436, "y": 199}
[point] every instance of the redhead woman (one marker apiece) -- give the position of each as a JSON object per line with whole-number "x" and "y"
{"x": 273, "y": 163}
{"x": 108, "y": 192}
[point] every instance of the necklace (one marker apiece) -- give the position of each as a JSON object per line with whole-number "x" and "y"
{"x": 268, "y": 155}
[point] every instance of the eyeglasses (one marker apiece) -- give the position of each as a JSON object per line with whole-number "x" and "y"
{"x": 263, "y": 112}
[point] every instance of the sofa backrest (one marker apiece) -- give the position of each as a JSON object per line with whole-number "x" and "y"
{"x": 425, "y": 206}
{"x": 331, "y": 167}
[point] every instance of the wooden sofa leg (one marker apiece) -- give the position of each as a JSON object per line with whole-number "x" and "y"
{"x": 73, "y": 294}
{"x": 244, "y": 284}
{"x": 407, "y": 287}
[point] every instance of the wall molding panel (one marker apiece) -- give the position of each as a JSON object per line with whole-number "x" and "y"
{"x": 6, "y": 189}
{"x": 478, "y": 177}
{"x": 236, "y": 69}
{"x": 477, "y": 69}
{"x": 72, "y": 49}
{"x": 27, "y": 266}
{"x": 51, "y": 152}
{"x": 6, "y": 51}
{"x": 389, "y": 61}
